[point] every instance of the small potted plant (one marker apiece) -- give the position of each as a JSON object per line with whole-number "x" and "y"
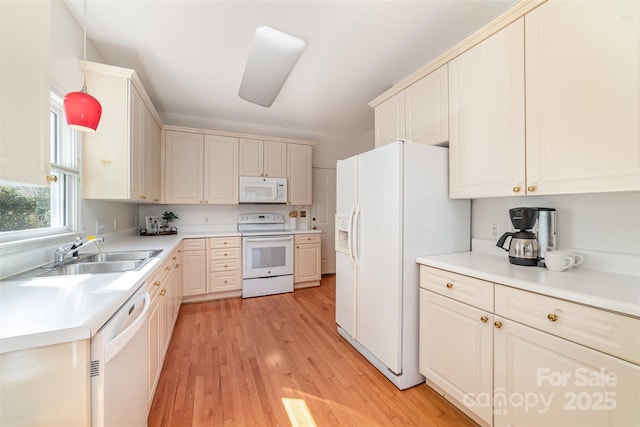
{"x": 167, "y": 218}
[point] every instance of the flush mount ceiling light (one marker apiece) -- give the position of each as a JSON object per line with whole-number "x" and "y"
{"x": 82, "y": 110}
{"x": 270, "y": 61}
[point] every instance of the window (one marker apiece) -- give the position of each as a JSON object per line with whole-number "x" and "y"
{"x": 29, "y": 211}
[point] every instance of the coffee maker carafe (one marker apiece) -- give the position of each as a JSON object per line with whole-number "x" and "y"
{"x": 522, "y": 245}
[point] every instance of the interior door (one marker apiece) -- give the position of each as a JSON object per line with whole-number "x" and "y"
{"x": 379, "y": 254}
{"x": 323, "y": 215}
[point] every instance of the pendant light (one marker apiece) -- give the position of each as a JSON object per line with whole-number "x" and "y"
{"x": 82, "y": 110}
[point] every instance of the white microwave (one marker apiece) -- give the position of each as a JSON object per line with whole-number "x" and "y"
{"x": 257, "y": 189}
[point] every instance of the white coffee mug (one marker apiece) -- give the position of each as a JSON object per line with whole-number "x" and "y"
{"x": 557, "y": 260}
{"x": 577, "y": 258}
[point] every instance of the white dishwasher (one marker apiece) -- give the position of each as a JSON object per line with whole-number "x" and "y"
{"x": 119, "y": 366}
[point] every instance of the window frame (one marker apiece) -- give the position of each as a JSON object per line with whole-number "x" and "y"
{"x": 66, "y": 166}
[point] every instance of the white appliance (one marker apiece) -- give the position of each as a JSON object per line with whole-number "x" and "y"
{"x": 267, "y": 255}
{"x": 256, "y": 189}
{"x": 392, "y": 205}
{"x": 119, "y": 366}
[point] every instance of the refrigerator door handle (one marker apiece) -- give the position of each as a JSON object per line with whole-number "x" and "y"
{"x": 350, "y": 233}
{"x": 356, "y": 237}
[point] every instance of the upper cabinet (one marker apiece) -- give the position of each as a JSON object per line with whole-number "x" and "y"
{"x": 120, "y": 160}
{"x": 582, "y": 103}
{"x": 486, "y": 116}
{"x": 299, "y": 173}
{"x": 200, "y": 169}
{"x": 25, "y": 48}
{"x": 419, "y": 113}
{"x": 263, "y": 158}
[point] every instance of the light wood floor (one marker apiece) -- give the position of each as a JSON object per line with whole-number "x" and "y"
{"x": 278, "y": 361}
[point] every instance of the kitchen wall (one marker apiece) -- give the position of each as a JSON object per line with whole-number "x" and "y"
{"x": 214, "y": 218}
{"x": 606, "y": 227}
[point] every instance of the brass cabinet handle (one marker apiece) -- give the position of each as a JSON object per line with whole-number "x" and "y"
{"x": 226, "y": 254}
{"x": 552, "y": 317}
{"x": 531, "y": 188}
{"x": 297, "y": 247}
{"x": 225, "y": 266}
{"x": 308, "y": 238}
{"x": 516, "y": 189}
{"x": 52, "y": 178}
{"x": 143, "y": 197}
{"x": 168, "y": 267}
{"x": 225, "y": 282}
{"x": 163, "y": 292}
{"x": 178, "y": 265}
{"x": 449, "y": 285}
{"x": 484, "y": 319}
{"x": 156, "y": 283}
{"x": 497, "y": 324}
{"x": 174, "y": 258}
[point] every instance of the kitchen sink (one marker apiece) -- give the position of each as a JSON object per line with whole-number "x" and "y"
{"x": 118, "y": 256}
{"x": 94, "y": 268}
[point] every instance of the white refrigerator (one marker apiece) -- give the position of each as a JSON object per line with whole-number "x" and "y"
{"x": 392, "y": 205}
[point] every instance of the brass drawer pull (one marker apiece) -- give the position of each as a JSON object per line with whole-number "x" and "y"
{"x": 156, "y": 283}
{"x": 484, "y": 319}
{"x": 531, "y": 188}
{"x": 449, "y": 285}
{"x": 516, "y": 189}
{"x": 497, "y": 324}
{"x": 163, "y": 292}
{"x": 178, "y": 265}
{"x": 168, "y": 267}
{"x": 552, "y": 317}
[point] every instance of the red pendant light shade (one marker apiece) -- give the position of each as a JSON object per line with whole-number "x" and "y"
{"x": 82, "y": 110}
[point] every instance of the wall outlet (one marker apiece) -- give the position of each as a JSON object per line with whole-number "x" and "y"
{"x": 495, "y": 229}
{"x": 99, "y": 226}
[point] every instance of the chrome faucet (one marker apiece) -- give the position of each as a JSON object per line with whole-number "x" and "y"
{"x": 62, "y": 252}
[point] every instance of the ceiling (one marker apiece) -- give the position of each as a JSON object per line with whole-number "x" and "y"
{"x": 190, "y": 55}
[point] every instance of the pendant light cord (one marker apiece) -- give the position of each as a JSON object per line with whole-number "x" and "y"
{"x": 84, "y": 21}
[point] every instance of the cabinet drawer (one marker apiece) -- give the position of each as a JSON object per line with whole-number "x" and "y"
{"x": 608, "y": 332}
{"x": 225, "y": 281}
{"x": 222, "y": 254}
{"x": 475, "y": 292}
{"x": 225, "y": 265}
{"x": 224, "y": 242}
{"x": 306, "y": 238}
{"x": 194, "y": 244}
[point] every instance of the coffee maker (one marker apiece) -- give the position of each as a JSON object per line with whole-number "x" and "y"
{"x": 523, "y": 244}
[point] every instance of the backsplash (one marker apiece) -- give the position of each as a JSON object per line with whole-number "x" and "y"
{"x": 214, "y": 218}
{"x": 605, "y": 227}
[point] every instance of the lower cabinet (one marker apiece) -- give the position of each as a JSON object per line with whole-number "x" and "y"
{"x": 530, "y": 360}
{"x": 225, "y": 265}
{"x": 165, "y": 290}
{"x": 306, "y": 260}
{"x": 194, "y": 257}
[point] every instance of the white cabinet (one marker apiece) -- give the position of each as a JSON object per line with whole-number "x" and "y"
{"x": 420, "y": 113}
{"x": 530, "y": 360}
{"x": 263, "y": 158}
{"x": 582, "y": 104}
{"x": 544, "y": 380}
{"x": 456, "y": 339}
{"x": 583, "y": 97}
{"x": 154, "y": 336}
{"x": 486, "y": 117}
{"x": 117, "y": 158}
{"x": 25, "y": 31}
{"x": 307, "y": 260}
{"x": 194, "y": 260}
{"x": 299, "y": 174}
{"x": 200, "y": 169}
{"x": 225, "y": 265}
{"x": 389, "y": 120}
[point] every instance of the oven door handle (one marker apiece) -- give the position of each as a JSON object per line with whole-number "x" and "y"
{"x": 269, "y": 239}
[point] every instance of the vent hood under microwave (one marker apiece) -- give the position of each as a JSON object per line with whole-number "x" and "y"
{"x": 257, "y": 189}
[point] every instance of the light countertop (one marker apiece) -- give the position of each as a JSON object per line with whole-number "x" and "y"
{"x": 609, "y": 291}
{"x": 51, "y": 310}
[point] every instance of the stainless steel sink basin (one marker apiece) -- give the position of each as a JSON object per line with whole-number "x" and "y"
{"x": 94, "y": 268}
{"x": 118, "y": 256}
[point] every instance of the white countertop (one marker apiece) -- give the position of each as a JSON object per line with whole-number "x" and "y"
{"x": 51, "y": 310}
{"x": 614, "y": 292}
